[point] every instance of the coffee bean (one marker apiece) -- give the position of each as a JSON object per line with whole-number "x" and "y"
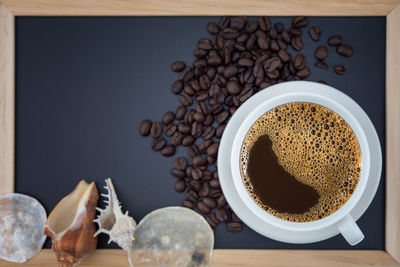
{"x": 212, "y": 220}
{"x": 209, "y": 120}
{"x": 222, "y": 116}
{"x": 321, "y": 64}
{"x": 204, "y": 43}
{"x": 233, "y": 87}
{"x": 194, "y": 184}
{"x": 177, "y": 66}
{"x": 251, "y": 26}
{"x": 295, "y": 31}
{"x": 339, "y": 69}
{"x": 214, "y": 60}
{"x": 189, "y": 117}
{"x": 200, "y": 63}
{"x": 274, "y": 45}
{"x": 199, "y": 161}
{"x": 284, "y": 55}
{"x": 230, "y": 33}
{"x": 230, "y": 71}
{"x": 216, "y": 193}
{"x": 210, "y": 203}
{"x": 282, "y": 44}
{"x": 170, "y": 129}
{"x": 221, "y": 201}
{"x": 180, "y": 112}
{"x": 177, "y": 87}
{"x": 237, "y": 23}
{"x": 185, "y": 99}
{"x": 156, "y": 129}
{"x": 214, "y": 183}
{"x": 245, "y": 62}
{"x": 222, "y": 215}
{"x": 168, "y": 117}
{"x": 199, "y": 53}
{"x": 203, "y": 146}
{"x": 273, "y": 34}
{"x": 196, "y": 129}
{"x": 188, "y": 203}
{"x": 203, "y": 207}
{"x": 314, "y": 32}
{"x": 202, "y": 95}
{"x": 192, "y": 153}
{"x": 178, "y": 173}
{"x": 168, "y": 151}
{"x": 188, "y": 171}
{"x": 207, "y": 174}
{"x": 344, "y": 50}
{"x": 279, "y": 27}
{"x": 187, "y": 74}
{"x": 234, "y": 227}
{"x": 205, "y": 189}
{"x": 321, "y": 52}
{"x": 199, "y": 117}
{"x": 197, "y": 174}
{"x": 262, "y": 40}
{"x": 219, "y": 130}
{"x": 212, "y": 28}
{"x": 272, "y": 64}
{"x": 299, "y": 22}
{"x": 243, "y": 96}
{"x": 202, "y": 108}
{"x": 286, "y": 36}
{"x": 187, "y": 140}
{"x": 158, "y": 144}
{"x": 181, "y": 163}
{"x": 323, "y": 82}
{"x": 335, "y": 40}
{"x": 212, "y": 150}
{"x": 242, "y": 38}
{"x": 180, "y": 186}
{"x": 208, "y": 133}
{"x": 264, "y": 23}
{"x": 211, "y": 72}
{"x": 235, "y": 218}
{"x": 297, "y": 43}
{"x": 223, "y": 22}
{"x": 144, "y": 127}
{"x": 304, "y": 73}
{"x": 184, "y": 128}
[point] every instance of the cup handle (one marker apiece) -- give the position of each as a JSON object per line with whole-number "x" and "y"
{"x": 350, "y": 230}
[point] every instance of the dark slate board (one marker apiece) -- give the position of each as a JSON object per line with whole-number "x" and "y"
{"x": 84, "y": 84}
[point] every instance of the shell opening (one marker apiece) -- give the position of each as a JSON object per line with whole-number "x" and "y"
{"x": 68, "y": 209}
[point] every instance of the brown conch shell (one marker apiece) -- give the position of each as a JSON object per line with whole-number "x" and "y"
{"x": 70, "y": 225}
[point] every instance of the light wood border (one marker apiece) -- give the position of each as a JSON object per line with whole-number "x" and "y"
{"x": 389, "y": 8}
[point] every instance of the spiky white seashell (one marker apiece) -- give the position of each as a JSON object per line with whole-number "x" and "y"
{"x": 111, "y": 221}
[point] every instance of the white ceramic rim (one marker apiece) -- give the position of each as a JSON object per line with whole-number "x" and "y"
{"x": 243, "y": 119}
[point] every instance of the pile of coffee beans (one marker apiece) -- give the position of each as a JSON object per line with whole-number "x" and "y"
{"x": 241, "y": 57}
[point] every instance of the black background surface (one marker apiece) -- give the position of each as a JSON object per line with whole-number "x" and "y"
{"x": 83, "y": 85}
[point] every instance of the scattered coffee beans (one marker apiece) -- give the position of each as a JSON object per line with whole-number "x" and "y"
{"x": 241, "y": 57}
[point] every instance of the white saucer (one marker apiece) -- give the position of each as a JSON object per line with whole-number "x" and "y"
{"x": 247, "y": 215}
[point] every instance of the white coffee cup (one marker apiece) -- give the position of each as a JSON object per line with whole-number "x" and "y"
{"x": 344, "y": 219}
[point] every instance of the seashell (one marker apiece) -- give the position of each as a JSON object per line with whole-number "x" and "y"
{"x": 21, "y": 227}
{"x": 173, "y": 236}
{"x": 70, "y": 225}
{"x": 118, "y": 226}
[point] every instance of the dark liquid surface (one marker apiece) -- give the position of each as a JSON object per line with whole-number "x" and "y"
{"x": 273, "y": 185}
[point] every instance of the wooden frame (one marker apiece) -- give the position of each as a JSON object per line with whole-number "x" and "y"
{"x": 388, "y": 8}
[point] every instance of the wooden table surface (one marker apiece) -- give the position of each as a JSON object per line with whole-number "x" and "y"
{"x": 226, "y": 257}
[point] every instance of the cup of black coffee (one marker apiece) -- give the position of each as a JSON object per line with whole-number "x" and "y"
{"x": 300, "y": 162}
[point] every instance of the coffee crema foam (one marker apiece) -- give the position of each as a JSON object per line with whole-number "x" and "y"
{"x": 317, "y": 147}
